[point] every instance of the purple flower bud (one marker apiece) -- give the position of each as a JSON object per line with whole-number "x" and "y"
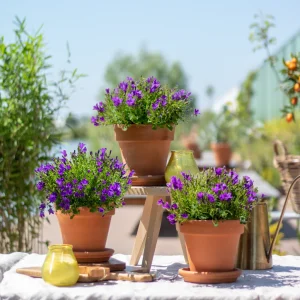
{"x": 166, "y": 205}
{"x": 196, "y": 112}
{"x": 101, "y": 209}
{"x": 200, "y": 196}
{"x": 186, "y": 176}
{"x": 184, "y": 216}
{"x": 107, "y": 91}
{"x": 174, "y": 206}
{"x": 210, "y": 198}
{"x": 64, "y": 153}
{"x": 40, "y": 185}
{"x": 160, "y": 202}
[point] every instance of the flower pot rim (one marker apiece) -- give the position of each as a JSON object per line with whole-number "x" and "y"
{"x": 207, "y": 227}
{"x": 86, "y": 210}
{"x": 120, "y": 126}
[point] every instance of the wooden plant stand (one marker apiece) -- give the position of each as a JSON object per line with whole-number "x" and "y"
{"x": 150, "y": 223}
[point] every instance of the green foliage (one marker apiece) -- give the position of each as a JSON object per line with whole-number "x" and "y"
{"x": 144, "y": 102}
{"x": 76, "y": 128}
{"x": 28, "y": 107}
{"x": 212, "y": 195}
{"x": 146, "y": 64}
{"x": 95, "y": 181}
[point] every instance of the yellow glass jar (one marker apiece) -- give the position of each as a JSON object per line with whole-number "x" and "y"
{"x": 60, "y": 267}
{"x": 181, "y": 161}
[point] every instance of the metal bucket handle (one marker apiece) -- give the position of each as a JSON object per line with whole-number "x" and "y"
{"x": 281, "y": 217}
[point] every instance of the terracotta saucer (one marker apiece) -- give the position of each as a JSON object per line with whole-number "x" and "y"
{"x": 94, "y": 256}
{"x": 209, "y": 277}
{"x": 157, "y": 180}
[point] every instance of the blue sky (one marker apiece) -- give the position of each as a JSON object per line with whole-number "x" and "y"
{"x": 209, "y": 38}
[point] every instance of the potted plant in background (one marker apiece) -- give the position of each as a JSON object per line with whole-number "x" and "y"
{"x": 144, "y": 114}
{"x": 222, "y": 128}
{"x": 211, "y": 209}
{"x": 84, "y": 190}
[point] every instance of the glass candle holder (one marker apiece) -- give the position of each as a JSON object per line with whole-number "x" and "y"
{"x": 60, "y": 267}
{"x": 181, "y": 161}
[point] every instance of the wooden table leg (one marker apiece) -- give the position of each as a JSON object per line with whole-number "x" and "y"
{"x": 156, "y": 213}
{"x": 182, "y": 243}
{"x": 140, "y": 239}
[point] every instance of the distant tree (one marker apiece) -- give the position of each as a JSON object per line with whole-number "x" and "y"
{"x": 146, "y": 64}
{"x": 210, "y": 91}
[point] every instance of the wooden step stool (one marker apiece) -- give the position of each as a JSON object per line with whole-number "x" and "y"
{"x": 150, "y": 223}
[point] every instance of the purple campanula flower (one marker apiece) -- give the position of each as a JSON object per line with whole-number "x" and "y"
{"x": 107, "y": 91}
{"x": 138, "y": 94}
{"x": 94, "y": 120}
{"x": 180, "y": 95}
{"x": 248, "y": 182}
{"x": 129, "y": 181}
{"x": 200, "y": 196}
{"x": 107, "y": 174}
{"x": 172, "y": 222}
{"x": 117, "y": 101}
{"x": 160, "y": 202}
{"x": 52, "y": 197}
{"x": 40, "y": 185}
{"x": 42, "y": 214}
{"x": 210, "y": 198}
{"x": 129, "y": 78}
{"x": 50, "y": 211}
{"x": 196, "y": 112}
{"x": 155, "y": 85}
{"x": 263, "y": 196}
{"x": 252, "y": 196}
{"x": 103, "y": 198}
{"x": 174, "y": 206}
{"x": 218, "y": 171}
{"x": 123, "y": 172}
{"x": 123, "y": 203}
{"x": 163, "y": 100}
{"x": 82, "y": 147}
{"x": 42, "y": 206}
{"x": 225, "y": 197}
{"x": 184, "y": 216}
{"x": 171, "y": 217}
{"x": 64, "y": 153}
{"x": 131, "y": 173}
{"x": 116, "y": 187}
{"x": 102, "y": 119}
{"x": 60, "y": 181}
{"x": 100, "y": 170}
{"x": 130, "y": 100}
{"x": 123, "y": 86}
{"x": 110, "y": 193}
{"x": 79, "y": 186}
{"x": 99, "y": 107}
{"x": 102, "y": 154}
{"x": 84, "y": 181}
{"x": 234, "y": 176}
{"x": 68, "y": 167}
{"x": 155, "y": 105}
{"x": 75, "y": 181}
{"x": 176, "y": 183}
{"x": 117, "y": 165}
{"x": 61, "y": 170}
{"x": 186, "y": 176}
{"x": 166, "y": 205}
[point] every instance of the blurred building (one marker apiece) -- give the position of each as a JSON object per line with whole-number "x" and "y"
{"x": 267, "y": 100}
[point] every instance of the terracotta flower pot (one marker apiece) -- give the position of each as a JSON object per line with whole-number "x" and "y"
{"x": 222, "y": 152}
{"x": 212, "y": 248}
{"x": 87, "y": 232}
{"x": 145, "y": 150}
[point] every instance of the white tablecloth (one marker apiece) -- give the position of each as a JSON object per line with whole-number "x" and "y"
{"x": 281, "y": 282}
